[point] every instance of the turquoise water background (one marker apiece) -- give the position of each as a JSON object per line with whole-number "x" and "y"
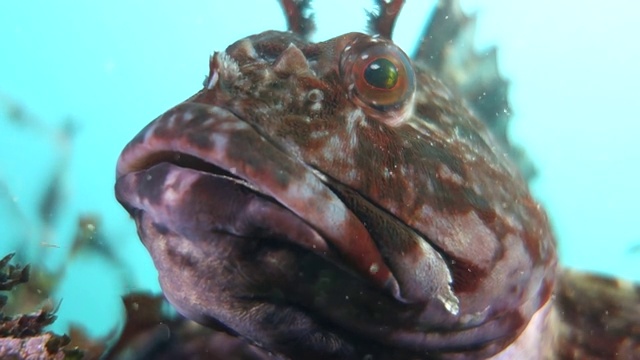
{"x": 113, "y": 66}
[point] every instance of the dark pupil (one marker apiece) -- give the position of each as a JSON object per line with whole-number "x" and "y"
{"x": 381, "y": 73}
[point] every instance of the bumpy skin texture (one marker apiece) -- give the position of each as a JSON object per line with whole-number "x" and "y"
{"x": 284, "y": 205}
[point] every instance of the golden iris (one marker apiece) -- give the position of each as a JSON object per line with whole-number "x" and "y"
{"x": 381, "y": 73}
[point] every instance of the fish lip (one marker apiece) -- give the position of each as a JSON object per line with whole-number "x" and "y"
{"x": 219, "y": 138}
{"x": 140, "y": 188}
{"x": 195, "y": 204}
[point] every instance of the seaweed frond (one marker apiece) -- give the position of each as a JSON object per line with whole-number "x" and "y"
{"x": 22, "y": 335}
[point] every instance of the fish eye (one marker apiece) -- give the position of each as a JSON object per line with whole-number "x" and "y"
{"x": 378, "y": 75}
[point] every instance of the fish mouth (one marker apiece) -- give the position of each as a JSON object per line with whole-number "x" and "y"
{"x": 188, "y": 196}
{"x": 242, "y": 233}
{"x": 199, "y": 169}
{"x": 233, "y": 222}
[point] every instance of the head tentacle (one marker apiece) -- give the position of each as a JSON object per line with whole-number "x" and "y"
{"x": 297, "y": 22}
{"x": 383, "y": 21}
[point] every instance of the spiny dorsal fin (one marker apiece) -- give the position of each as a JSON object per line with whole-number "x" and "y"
{"x": 596, "y": 317}
{"x": 447, "y": 49}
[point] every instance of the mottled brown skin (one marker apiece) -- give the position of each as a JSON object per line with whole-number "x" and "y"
{"x": 292, "y": 204}
{"x": 595, "y": 318}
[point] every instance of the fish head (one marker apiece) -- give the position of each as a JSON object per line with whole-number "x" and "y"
{"x": 336, "y": 200}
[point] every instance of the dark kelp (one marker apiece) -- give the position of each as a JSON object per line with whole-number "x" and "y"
{"x": 340, "y": 200}
{"x": 22, "y": 336}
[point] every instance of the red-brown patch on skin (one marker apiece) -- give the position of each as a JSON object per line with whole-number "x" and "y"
{"x": 466, "y": 276}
